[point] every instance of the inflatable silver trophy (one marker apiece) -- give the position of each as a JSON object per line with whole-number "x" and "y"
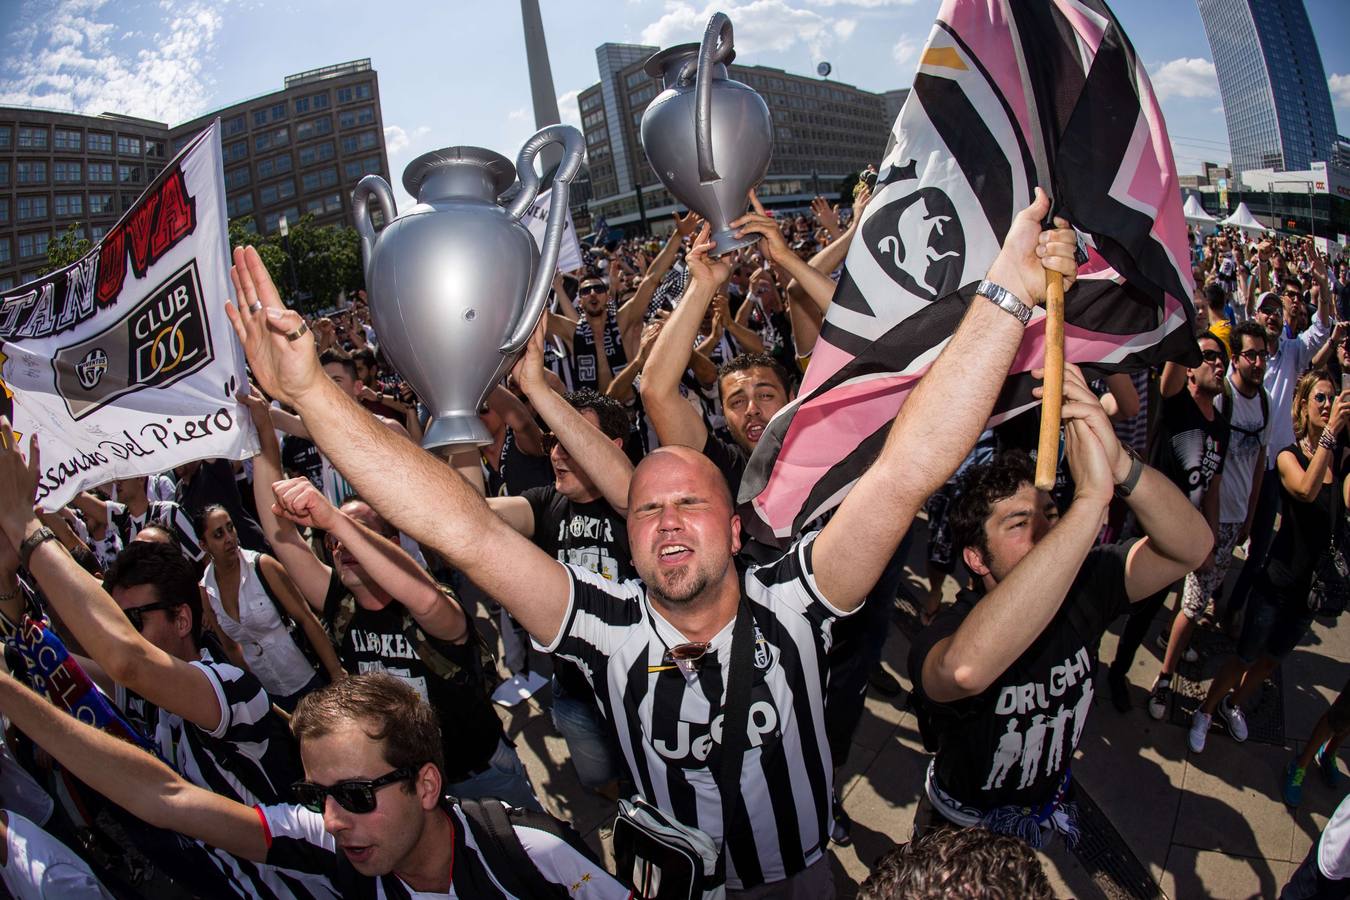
{"x": 707, "y": 137}
{"x": 456, "y": 283}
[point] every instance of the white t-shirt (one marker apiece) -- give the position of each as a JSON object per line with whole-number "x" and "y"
{"x": 39, "y": 867}
{"x": 1245, "y": 443}
{"x": 1333, "y": 848}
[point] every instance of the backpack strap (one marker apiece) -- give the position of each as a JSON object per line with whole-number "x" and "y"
{"x": 502, "y": 851}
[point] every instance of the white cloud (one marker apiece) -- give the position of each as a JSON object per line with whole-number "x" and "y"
{"x": 1185, "y": 77}
{"x": 864, "y": 4}
{"x": 518, "y": 115}
{"x": 761, "y": 25}
{"x": 568, "y": 109}
{"x": 844, "y": 28}
{"x": 397, "y": 138}
{"x": 79, "y": 63}
{"x": 1340, "y": 90}
{"x": 904, "y": 50}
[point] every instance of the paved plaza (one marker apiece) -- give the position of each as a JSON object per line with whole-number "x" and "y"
{"x": 1181, "y": 825}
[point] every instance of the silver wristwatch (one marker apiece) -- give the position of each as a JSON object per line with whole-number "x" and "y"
{"x": 1004, "y": 299}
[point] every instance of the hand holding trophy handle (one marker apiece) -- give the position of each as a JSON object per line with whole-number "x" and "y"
{"x": 710, "y": 53}
{"x": 367, "y": 187}
{"x": 573, "y": 148}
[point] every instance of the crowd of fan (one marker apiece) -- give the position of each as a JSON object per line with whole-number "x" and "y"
{"x": 296, "y": 654}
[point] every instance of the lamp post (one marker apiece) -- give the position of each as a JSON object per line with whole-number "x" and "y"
{"x": 285, "y": 228}
{"x": 642, "y": 207}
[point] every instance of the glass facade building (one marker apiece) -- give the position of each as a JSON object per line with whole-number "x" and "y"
{"x": 1274, "y": 89}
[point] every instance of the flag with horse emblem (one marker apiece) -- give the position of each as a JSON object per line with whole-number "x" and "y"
{"x": 1009, "y": 94}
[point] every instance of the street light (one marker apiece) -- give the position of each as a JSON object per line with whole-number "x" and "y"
{"x": 285, "y": 228}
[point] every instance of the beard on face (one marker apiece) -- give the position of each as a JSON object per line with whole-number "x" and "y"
{"x": 684, "y": 596}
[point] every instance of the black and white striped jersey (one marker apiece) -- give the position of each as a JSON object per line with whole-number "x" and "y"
{"x": 297, "y": 841}
{"x": 250, "y": 757}
{"x": 668, "y": 725}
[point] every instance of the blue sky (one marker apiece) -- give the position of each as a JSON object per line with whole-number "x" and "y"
{"x": 453, "y": 72}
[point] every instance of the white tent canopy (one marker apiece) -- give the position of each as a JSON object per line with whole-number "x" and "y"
{"x": 1242, "y": 218}
{"x": 1195, "y": 213}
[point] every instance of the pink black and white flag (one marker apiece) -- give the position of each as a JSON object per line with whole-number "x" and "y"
{"x": 1009, "y": 94}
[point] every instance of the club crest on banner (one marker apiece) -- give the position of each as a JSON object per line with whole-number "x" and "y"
{"x": 916, "y": 238}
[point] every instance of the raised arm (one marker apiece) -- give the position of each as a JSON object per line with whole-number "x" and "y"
{"x": 675, "y": 421}
{"x": 133, "y": 779}
{"x": 943, "y": 416}
{"x": 386, "y": 563}
{"x": 1014, "y": 613}
{"x": 93, "y": 617}
{"x": 300, "y": 612}
{"x": 818, "y": 285}
{"x": 750, "y": 341}
{"x": 429, "y": 501}
{"x": 310, "y": 574}
{"x": 603, "y": 460}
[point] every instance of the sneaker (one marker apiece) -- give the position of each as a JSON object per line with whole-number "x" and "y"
{"x": 841, "y": 828}
{"x": 1120, "y": 691}
{"x": 1234, "y": 719}
{"x": 1158, "y": 697}
{"x": 1327, "y": 765}
{"x": 1190, "y": 656}
{"x": 1199, "y": 730}
{"x": 1293, "y": 784}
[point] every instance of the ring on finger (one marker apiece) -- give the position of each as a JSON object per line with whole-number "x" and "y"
{"x": 255, "y": 306}
{"x": 298, "y": 333}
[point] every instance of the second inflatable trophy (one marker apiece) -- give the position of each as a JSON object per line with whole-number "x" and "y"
{"x": 456, "y": 283}
{"x": 707, "y": 137}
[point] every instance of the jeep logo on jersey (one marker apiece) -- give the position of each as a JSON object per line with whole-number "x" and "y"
{"x": 163, "y": 339}
{"x": 917, "y": 241}
{"x": 92, "y": 368}
{"x": 693, "y": 742}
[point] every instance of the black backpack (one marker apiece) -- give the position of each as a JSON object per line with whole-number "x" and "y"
{"x": 493, "y": 824}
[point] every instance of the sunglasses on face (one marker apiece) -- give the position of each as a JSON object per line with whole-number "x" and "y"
{"x": 1210, "y": 356}
{"x": 591, "y": 289}
{"x": 1255, "y": 356}
{"x": 353, "y": 796}
{"x": 136, "y": 613}
{"x": 685, "y": 657}
{"x": 1322, "y": 398}
{"x": 548, "y": 440}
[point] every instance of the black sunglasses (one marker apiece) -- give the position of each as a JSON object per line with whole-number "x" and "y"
{"x": 1212, "y": 356}
{"x": 591, "y": 289}
{"x": 685, "y": 657}
{"x": 135, "y": 613}
{"x": 353, "y": 796}
{"x": 1322, "y": 398}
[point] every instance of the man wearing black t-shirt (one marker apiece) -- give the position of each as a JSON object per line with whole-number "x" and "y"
{"x": 579, "y": 520}
{"x": 376, "y": 824}
{"x": 660, "y": 651}
{"x": 1003, "y": 679}
{"x": 1191, "y": 445}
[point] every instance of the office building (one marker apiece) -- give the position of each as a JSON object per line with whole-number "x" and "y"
{"x": 1274, "y": 90}
{"x": 823, "y": 131}
{"x": 295, "y": 151}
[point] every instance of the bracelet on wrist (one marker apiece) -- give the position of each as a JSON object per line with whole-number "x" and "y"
{"x": 1327, "y": 441}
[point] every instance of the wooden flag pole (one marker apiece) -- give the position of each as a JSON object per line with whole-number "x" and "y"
{"x": 1047, "y": 453}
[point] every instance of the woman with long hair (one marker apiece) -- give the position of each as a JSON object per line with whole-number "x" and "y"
{"x": 1312, "y": 497}
{"x": 249, "y": 595}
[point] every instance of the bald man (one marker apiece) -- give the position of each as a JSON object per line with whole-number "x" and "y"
{"x": 743, "y": 758}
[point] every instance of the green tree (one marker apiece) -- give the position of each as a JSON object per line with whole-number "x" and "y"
{"x": 66, "y": 248}
{"x": 326, "y": 260}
